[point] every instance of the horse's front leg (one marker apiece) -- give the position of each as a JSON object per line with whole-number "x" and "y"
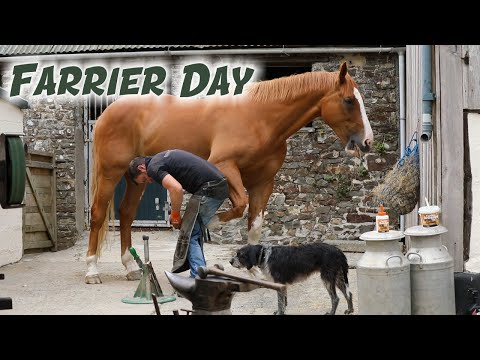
{"x": 260, "y": 192}
{"x": 258, "y": 199}
{"x": 127, "y": 211}
{"x": 238, "y": 196}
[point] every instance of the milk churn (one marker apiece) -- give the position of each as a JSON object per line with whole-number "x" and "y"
{"x": 383, "y": 276}
{"x": 431, "y": 272}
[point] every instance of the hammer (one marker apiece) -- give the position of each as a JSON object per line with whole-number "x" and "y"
{"x": 203, "y": 271}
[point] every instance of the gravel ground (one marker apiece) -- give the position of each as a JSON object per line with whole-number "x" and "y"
{"x": 52, "y": 283}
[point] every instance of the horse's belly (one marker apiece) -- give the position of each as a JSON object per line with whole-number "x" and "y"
{"x": 168, "y": 141}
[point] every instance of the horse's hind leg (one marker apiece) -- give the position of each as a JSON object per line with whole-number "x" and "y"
{"x": 127, "y": 211}
{"x": 238, "y": 197}
{"x": 259, "y": 193}
{"x": 258, "y": 198}
{"x": 106, "y": 187}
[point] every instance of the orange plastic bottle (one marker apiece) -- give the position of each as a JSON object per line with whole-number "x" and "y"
{"x": 382, "y": 220}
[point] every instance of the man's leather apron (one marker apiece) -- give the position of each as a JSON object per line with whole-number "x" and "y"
{"x": 213, "y": 189}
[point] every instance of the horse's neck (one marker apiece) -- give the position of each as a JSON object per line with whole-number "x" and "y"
{"x": 300, "y": 107}
{"x": 288, "y": 119}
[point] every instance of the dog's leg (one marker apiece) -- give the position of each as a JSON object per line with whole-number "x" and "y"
{"x": 346, "y": 292}
{"x": 282, "y": 302}
{"x": 330, "y": 285}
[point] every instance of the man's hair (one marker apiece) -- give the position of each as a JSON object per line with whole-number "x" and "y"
{"x": 133, "y": 167}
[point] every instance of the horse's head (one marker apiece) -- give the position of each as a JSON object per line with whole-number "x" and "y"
{"x": 343, "y": 110}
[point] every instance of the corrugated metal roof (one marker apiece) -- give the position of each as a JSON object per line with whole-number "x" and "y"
{"x": 13, "y": 50}
{"x": 24, "y": 49}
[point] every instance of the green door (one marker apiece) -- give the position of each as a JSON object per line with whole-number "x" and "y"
{"x": 153, "y": 208}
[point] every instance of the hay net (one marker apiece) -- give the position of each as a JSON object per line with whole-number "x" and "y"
{"x": 399, "y": 191}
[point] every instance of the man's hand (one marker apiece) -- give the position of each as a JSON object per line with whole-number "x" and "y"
{"x": 175, "y": 219}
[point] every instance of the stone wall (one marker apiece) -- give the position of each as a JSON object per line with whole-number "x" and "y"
{"x": 54, "y": 124}
{"x": 50, "y": 126}
{"x": 320, "y": 192}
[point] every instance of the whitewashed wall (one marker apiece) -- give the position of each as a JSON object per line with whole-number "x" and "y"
{"x": 473, "y": 264}
{"x": 11, "y": 244}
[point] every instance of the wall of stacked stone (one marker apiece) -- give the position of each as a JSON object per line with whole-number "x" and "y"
{"x": 320, "y": 192}
{"x": 50, "y": 125}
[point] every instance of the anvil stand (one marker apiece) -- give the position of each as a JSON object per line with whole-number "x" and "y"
{"x": 5, "y": 302}
{"x": 149, "y": 290}
{"x": 212, "y": 292}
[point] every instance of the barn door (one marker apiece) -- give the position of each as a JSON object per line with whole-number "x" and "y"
{"x": 153, "y": 208}
{"x": 40, "y": 212}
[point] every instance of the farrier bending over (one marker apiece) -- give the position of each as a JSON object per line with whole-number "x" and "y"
{"x": 177, "y": 170}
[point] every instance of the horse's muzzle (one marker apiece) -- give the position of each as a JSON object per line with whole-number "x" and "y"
{"x": 363, "y": 145}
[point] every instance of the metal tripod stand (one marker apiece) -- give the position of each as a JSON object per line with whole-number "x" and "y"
{"x": 148, "y": 290}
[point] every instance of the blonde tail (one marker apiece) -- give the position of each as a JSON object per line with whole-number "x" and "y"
{"x": 110, "y": 209}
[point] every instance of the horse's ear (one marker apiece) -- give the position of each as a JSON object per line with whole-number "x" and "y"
{"x": 343, "y": 72}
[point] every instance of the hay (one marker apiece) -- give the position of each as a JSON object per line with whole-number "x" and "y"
{"x": 400, "y": 190}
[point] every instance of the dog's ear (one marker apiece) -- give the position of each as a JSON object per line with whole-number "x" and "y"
{"x": 252, "y": 256}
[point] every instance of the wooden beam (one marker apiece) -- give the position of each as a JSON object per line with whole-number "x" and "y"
{"x": 413, "y": 112}
{"x": 471, "y": 76}
{"x": 451, "y": 113}
{"x": 34, "y": 228}
{"x": 37, "y": 244}
{"x": 54, "y": 205}
{"x": 41, "y": 153}
{"x": 39, "y": 164}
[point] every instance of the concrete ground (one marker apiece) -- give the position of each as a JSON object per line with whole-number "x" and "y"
{"x": 52, "y": 283}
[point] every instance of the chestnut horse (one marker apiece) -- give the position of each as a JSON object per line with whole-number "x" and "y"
{"x": 243, "y": 135}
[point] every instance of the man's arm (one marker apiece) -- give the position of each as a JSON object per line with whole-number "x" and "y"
{"x": 176, "y": 191}
{"x": 176, "y": 197}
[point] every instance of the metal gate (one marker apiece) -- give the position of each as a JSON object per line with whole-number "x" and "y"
{"x": 153, "y": 208}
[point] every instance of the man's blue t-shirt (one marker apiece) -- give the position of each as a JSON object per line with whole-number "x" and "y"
{"x": 190, "y": 170}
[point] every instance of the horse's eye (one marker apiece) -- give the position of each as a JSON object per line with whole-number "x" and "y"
{"x": 348, "y": 101}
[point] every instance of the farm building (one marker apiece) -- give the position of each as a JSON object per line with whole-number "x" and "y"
{"x": 11, "y": 127}
{"x": 320, "y": 192}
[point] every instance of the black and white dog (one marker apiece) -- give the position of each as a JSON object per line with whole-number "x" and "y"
{"x": 291, "y": 264}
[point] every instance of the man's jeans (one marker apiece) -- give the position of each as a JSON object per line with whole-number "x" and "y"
{"x": 208, "y": 207}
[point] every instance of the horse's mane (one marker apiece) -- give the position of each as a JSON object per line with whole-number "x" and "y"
{"x": 288, "y": 87}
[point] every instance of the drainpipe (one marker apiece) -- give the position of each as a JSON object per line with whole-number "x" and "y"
{"x": 428, "y": 96}
{"x": 427, "y": 101}
{"x": 401, "y": 78}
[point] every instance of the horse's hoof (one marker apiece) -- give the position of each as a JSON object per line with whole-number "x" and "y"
{"x": 93, "y": 279}
{"x": 347, "y": 312}
{"x": 134, "y": 275}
